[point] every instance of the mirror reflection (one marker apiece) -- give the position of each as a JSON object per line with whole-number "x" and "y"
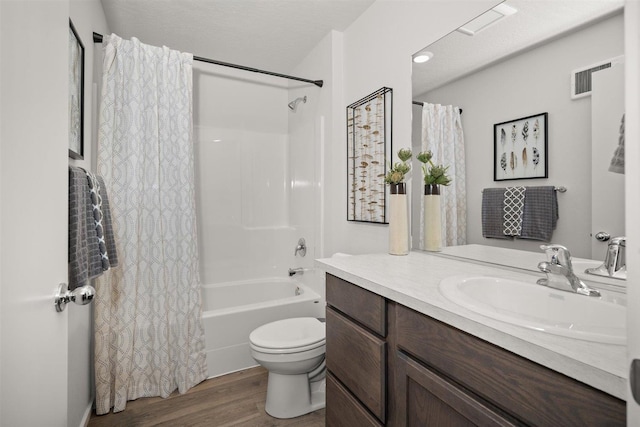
{"x": 513, "y": 63}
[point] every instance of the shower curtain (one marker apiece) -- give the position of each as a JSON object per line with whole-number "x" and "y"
{"x": 149, "y": 337}
{"x": 442, "y": 134}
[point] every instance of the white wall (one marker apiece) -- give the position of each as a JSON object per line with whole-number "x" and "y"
{"x": 377, "y": 51}
{"x": 243, "y": 181}
{"x": 311, "y": 133}
{"x": 632, "y": 188}
{"x": 87, "y": 17}
{"x": 534, "y": 82}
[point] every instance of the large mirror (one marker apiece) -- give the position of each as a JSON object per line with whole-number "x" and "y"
{"x": 521, "y": 65}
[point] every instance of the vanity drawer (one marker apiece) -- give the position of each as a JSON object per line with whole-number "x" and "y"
{"x": 528, "y": 391}
{"x": 357, "y": 303}
{"x": 358, "y": 359}
{"x": 343, "y": 410}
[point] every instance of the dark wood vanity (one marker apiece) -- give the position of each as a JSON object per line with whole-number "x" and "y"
{"x": 390, "y": 365}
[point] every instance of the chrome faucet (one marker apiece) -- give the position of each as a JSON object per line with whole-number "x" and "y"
{"x": 560, "y": 272}
{"x": 615, "y": 261}
{"x": 294, "y": 271}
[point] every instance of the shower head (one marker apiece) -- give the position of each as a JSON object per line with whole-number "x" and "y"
{"x": 293, "y": 104}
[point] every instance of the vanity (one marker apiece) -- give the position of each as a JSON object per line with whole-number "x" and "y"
{"x": 399, "y": 352}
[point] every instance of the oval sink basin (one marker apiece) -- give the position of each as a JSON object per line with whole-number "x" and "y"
{"x": 538, "y": 307}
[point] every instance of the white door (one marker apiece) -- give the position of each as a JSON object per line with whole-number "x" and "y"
{"x": 33, "y": 211}
{"x": 607, "y": 188}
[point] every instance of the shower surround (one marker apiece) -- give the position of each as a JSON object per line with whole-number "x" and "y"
{"x": 256, "y": 189}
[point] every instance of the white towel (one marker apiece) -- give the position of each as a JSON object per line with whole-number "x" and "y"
{"x": 513, "y": 208}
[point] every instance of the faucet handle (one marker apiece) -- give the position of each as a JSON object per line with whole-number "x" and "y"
{"x": 301, "y": 247}
{"x": 558, "y": 254}
{"x": 620, "y": 241}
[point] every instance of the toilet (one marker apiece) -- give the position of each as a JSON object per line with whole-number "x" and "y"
{"x": 292, "y": 350}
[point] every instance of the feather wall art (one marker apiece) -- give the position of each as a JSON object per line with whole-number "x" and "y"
{"x": 536, "y": 130}
{"x": 521, "y": 160}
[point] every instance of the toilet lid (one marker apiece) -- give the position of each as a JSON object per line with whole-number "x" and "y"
{"x": 289, "y": 333}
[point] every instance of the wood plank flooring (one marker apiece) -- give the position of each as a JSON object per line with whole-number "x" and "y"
{"x": 231, "y": 400}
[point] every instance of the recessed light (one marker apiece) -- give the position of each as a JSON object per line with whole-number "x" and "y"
{"x": 422, "y": 57}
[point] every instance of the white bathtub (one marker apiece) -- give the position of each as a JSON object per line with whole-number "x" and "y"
{"x": 232, "y": 310}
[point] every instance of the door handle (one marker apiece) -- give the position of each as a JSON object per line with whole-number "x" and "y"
{"x": 81, "y": 296}
{"x": 602, "y": 236}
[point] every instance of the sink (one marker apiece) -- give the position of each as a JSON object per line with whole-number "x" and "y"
{"x": 599, "y": 319}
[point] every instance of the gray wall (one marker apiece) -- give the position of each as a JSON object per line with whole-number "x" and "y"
{"x": 87, "y": 17}
{"x": 533, "y": 82}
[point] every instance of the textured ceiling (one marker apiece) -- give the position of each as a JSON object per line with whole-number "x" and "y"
{"x": 273, "y": 35}
{"x": 457, "y": 54}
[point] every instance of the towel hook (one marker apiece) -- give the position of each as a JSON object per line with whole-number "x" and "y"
{"x": 81, "y": 295}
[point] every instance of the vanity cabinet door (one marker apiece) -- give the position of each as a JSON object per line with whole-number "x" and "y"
{"x": 525, "y": 390}
{"x": 343, "y": 410}
{"x": 364, "y": 306}
{"x": 427, "y": 400}
{"x": 357, "y": 358}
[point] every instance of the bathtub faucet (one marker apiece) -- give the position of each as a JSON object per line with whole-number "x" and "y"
{"x": 294, "y": 271}
{"x": 301, "y": 248}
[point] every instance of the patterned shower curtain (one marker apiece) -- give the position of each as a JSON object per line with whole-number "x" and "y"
{"x": 149, "y": 337}
{"x": 442, "y": 134}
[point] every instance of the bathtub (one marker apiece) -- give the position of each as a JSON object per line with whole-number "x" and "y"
{"x": 232, "y": 310}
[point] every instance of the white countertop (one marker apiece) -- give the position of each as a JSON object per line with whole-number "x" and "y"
{"x": 413, "y": 280}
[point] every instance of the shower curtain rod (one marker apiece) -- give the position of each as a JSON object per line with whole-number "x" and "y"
{"x": 97, "y": 38}
{"x": 422, "y": 104}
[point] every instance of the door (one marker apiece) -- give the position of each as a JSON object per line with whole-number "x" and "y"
{"x": 607, "y": 188}
{"x": 33, "y": 211}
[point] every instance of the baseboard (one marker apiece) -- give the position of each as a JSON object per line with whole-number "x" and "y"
{"x": 86, "y": 416}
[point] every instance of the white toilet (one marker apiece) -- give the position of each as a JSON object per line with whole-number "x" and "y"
{"x": 292, "y": 350}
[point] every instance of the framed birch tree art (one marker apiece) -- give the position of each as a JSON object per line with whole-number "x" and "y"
{"x": 520, "y": 148}
{"x": 369, "y": 134}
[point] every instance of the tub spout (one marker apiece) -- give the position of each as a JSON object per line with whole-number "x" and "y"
{"x": 294, "y": 271}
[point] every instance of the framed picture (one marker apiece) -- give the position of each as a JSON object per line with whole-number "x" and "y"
{"x": 76, "y": 94}
{"x": 368, "y": 153}
{"x": 520, "y": 148}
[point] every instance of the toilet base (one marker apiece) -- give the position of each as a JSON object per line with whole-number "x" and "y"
{"x": 290, "y": 396}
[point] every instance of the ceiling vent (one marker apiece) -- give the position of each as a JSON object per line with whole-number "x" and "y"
{"x": 487, "y": 19}
{"x": 581, "y": 77}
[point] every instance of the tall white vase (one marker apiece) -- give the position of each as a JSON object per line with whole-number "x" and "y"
{"x": 398, "y": 220}
{"x": 432, "y": 218}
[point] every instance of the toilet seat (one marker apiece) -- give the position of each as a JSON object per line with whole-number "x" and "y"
{"x": 288, "y": 336}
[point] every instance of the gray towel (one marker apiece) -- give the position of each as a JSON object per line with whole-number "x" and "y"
{"x": 540, "y": 213}
{"x": 107, "y": 224}
{"x": 492, "y": 213}
{"x": 83, "y": 253}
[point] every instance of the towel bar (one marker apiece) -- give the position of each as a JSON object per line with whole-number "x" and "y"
{"x": 559, "y": 189}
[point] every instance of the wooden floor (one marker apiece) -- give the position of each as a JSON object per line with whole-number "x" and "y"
{"x": 232, "y": 400}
